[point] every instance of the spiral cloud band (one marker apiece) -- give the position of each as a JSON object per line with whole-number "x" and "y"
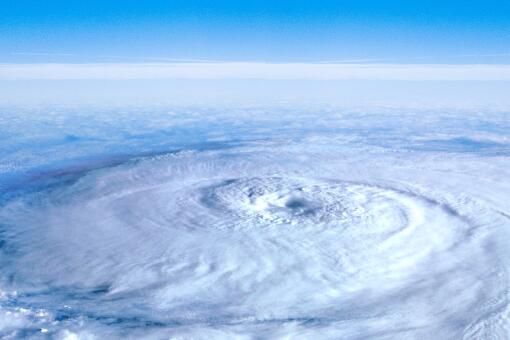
{"x": 333, "y": 228}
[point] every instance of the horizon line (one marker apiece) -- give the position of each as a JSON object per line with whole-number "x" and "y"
{"x": 254, "y": 70}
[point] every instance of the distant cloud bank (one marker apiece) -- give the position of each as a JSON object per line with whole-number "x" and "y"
{"x": 256, "y": 70}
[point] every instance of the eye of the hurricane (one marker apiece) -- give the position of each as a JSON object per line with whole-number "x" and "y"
{"x": 284, "y": 208}
{"x": 299, "y": 206}
{"x": 309, "y": 203}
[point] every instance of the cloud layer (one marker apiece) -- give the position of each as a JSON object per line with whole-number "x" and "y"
{"x": 256, "y": 70}
{"x": 254, "y": 223}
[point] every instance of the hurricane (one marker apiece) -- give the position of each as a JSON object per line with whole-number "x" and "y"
{"x": 282, "y": 224}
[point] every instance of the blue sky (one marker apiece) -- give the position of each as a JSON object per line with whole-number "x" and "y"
{"x": 271, "y": 31}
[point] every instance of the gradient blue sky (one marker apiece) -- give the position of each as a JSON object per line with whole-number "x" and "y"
{"x": 273, "y": 31}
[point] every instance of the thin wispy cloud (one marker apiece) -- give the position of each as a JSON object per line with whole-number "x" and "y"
{"x": 43, "y": 54}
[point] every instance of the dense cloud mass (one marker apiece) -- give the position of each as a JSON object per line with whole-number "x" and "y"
{"x": 254, "y": 223}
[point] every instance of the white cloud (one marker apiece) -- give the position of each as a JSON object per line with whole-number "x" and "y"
{"x": 256, "y": 70}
